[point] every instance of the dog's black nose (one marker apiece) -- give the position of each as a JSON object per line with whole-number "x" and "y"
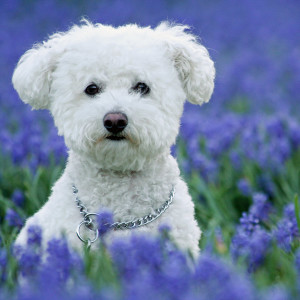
{"x": 115, "y": 122}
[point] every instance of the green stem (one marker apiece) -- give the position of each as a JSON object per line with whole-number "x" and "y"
{"x": 297, "y": 210}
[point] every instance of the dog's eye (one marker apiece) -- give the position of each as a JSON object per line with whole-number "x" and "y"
{"x": 92, "y": 89}
{"x": 141, "y": 88}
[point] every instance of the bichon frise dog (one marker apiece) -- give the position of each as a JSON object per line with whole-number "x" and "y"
{"x": 117, "y": 95}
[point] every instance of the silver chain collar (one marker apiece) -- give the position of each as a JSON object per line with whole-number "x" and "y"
{"x": 89, "y": 223}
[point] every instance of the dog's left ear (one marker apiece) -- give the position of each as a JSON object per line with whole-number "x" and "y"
{"x": 191, "y": 59}
{"x": 32, "y": 75}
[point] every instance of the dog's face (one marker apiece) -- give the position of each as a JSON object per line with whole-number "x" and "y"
{"x": 116, "y": 94}
{"x": 116, "y": 98}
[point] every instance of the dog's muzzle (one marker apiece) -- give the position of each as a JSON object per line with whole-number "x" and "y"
{"x": 115, "y": 122}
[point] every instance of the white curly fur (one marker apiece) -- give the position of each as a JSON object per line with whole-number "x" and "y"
{"x": 130, "y": 177}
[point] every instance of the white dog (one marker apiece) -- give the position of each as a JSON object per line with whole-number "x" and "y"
{"x": 117, "y": 95}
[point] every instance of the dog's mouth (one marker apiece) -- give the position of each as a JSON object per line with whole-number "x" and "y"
{"x": 116, "y": 138}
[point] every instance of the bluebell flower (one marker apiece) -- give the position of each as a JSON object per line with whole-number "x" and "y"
{"x": 236, "y": 159}
{"x": 18, "y": 197}
{"x": 276, "y": 127}
{"x": 59, "y": 264}
{"x": 252, "y": 246}
{"x": 214, "y": 280}
{"x": 289, "y": 211}
{"x": 34, "y": 236}
{"x": 286, "y": 230}
{"x": 18, "y": 154}
{"x": 277, "y": 293}
{"x": 29, "y": 260}
{"x": 104, "y": 220}
{"x": 13, "y": 218}
{"x": 122, "y": 254}
{"x": 261, "y": 207}
{"x": 3, "y": 263}
{"x": 146, "y": 251}
{"x": 175, "y": 277}
{"x": 294, "y": 133}
{"x": 251, "y": 241}
{"x": 244, "y": 187}
{"x": 249, "y": 222}
{"x": 164, "y": 229}
{"x": 297, "y": 261}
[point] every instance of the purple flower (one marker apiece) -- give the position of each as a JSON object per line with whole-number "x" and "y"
{"x": 137, "y": 253}
{"x": 250, "y": 240}
{"x": 29, "y": 261}
{"x": 276, "y": 293}
{"x": 294, "y": 133}
{"x": 249, "y": 222}
{"x": 260, "y": 208}
{"x": 34, "y": 236}
{"x": 164, "y": 229}
{"x": 253, "y": 246}
{"x": 3, "y": 263}
{"x": 289, "y": 211}
{"x": 235, "y": 158}
{"x": 18, "y": 197}
{"x": 174, "y": 276}
{"x": 276, "y": 127}
{"x": 18, "y": 154}
{"x": 122, "y": 254}
{"x": 104, "y": 220}
{"x": 214, "y": 279}
{"x": 59, "y": 262}
{"x": 13, "y": 218}
{"x": 287, "y": 228}
{"x": 244, "y": 187}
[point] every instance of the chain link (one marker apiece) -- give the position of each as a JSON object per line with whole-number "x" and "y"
{"x": 89, "y": 222}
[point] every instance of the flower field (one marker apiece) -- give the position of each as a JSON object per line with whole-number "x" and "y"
{"x": 239, "y": 154}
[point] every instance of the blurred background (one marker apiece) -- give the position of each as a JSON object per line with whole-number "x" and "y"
{"x": 239, "y": 153}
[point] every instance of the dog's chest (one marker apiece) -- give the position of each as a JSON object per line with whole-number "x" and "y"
{"x": 126, "y": 197}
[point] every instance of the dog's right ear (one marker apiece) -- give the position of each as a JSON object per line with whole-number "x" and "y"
{"x": 192, "y": 61}
{"x": 32, "y": 76}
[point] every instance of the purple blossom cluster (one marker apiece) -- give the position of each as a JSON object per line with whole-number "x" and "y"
{"x": 33, "y": 141}
{"x": 3, "y": 262}
{"x": 148, "y": 268}
{"x": 18, "y": 197}
{"x": 253, "y": 236}
{"x": 287, "y": 230}
{"x": 265, "y": 141}
{"x": 251, "y": 240}
{"x": 13, "y": 219}
{"x": 151, "y": 267}
{"x": 45, "y": 274}
{"x": 104, "y": 220}
{"x": 155, "y": 269}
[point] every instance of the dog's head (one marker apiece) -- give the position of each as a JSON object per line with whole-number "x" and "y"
{"x": 116, "y": 94}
